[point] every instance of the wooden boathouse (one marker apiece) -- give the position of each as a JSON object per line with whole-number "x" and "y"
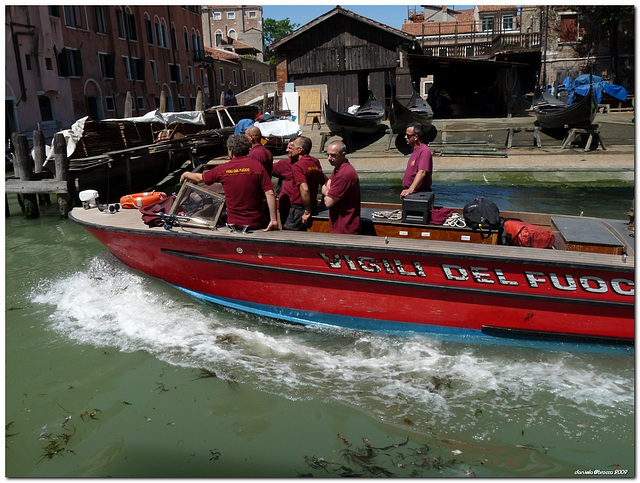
{"x": 348, "y": 53}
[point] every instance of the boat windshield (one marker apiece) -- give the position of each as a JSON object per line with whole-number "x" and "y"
{"x": 198, "y": 206}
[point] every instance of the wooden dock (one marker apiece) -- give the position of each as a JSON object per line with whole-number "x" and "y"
{"x": 32, "y": 183}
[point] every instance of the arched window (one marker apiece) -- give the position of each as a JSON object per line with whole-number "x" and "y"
{"x": 148, "y": 26}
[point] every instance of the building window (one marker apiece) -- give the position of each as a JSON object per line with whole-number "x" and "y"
{"x": 140, "y": 103}
{"x": 157, "y": 99}
{"x": 233, "y": 34}
{"x": 106, "y": 65}
{"x": 120, "y": 23}
{"x": 154, "y": 70}
{"x": 244, "y": 77}
{"x": 569, "y": 28}
{"x": 175, "y": 73}
{"x": 46, "y": 109}
{"x": 174, "y": 37}
{"x": 130, "y": 20}
{"x": 127, "y": 67}
{"x": 202, "y": 78}
{"x": 192, "y": 100}
{"x": 507, "y": 22}
{"x": 27, "y": 61}
{"x": 182, "y": 103}
{"x": 54, "y": 11}
{"x": 101, "y": 26}
{"x": 221, "y": 76}
{"x": 217, "y": 15}
{"x": 73, "y": 16}
{"x": 190, "y": 74}
{"x": 252, "y": 14}
{"x": 235, "y": 78}
{"x": 69, "y": 63}
{"x": 186, "y": 40}
{"x": 137, "y": 69}
{"x": 254, "y": 78}
{"x": 48, "y": 64}
{"x": 163, "y": 31}
{"x": 218, "y": 39}
{"x": 231, "y": 15}
{"x": 487, "y": 24}
{"x": 110, "y": 102}
{"x": 149, "y": 28}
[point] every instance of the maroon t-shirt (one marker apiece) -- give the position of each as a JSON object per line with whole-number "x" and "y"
{"x": 282, "y": 171}
{"x": 244, "y": 181}
{"x": 344, "y": 215}
{"x": 262, "y": 154}
{"x": 307, "y": 170}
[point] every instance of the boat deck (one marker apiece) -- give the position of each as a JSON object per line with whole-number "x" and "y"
{"x": 436, "y": 243}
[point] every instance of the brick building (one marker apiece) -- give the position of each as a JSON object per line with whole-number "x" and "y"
{"x": 67, "y": 62}
{"x": 223, "y": 24}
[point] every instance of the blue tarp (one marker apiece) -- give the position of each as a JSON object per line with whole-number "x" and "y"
{"x": 580, "y": 86}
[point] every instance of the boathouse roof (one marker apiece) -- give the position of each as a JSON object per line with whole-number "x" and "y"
{"x": 338, "y": 10}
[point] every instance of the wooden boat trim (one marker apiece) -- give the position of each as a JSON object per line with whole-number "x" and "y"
{"x": 129, "y": 220}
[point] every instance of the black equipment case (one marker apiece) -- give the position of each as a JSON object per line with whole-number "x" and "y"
{"x": 416, "y": 207}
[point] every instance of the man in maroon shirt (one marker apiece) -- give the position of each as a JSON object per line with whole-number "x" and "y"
{"x": 307, "y": 177}
{"x": 258, "y": 151}
{"x": 342, "y": 192}
{"x": 246, "y": 184}
{"x": 282, "y": 171}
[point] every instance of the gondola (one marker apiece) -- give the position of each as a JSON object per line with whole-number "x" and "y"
{"x": 365, "y": 120}
{"x": 560, "y": 115}
{"x": 416, "y": 110}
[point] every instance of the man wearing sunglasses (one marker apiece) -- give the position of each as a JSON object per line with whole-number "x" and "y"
{"x": 417, "y": 177}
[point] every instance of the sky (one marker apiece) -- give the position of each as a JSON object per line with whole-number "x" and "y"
{"x": 391, "y": 15}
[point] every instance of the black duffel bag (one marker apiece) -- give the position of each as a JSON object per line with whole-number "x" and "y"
{"x": 481, "y": 214}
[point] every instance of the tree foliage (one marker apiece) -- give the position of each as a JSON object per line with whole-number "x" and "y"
{"x": 273, "y": 30}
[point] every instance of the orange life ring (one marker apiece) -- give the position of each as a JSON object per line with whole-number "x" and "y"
{"x": 138, "y": 200}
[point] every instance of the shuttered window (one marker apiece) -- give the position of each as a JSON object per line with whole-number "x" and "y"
{"x": 569, "y": 28}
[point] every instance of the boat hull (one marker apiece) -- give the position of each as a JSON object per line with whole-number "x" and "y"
{"x": 364, "y": 283}
{"x": 579, "y": 115}
{"x": 401, "y": 116}
{"x": 366, "y": 120}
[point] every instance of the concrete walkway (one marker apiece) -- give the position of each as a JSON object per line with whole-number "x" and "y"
{"x": 487, "y": 159}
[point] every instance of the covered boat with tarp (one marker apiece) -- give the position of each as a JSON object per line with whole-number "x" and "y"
{"x": 578, "y": 107}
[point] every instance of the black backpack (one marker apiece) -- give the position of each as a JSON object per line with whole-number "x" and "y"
{"x": 482, "y": 214}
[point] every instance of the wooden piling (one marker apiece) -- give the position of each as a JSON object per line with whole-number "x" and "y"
{"x": 24, "y": 169}
{"x": 39, "y": 156}
{"x": 65, "y": 200}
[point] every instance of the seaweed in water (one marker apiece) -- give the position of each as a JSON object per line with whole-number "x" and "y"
{"x": 57, "y": 445}
{"x": 372, "y": 461}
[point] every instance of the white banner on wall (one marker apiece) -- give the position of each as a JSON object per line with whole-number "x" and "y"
{"x": 290, "y": 102}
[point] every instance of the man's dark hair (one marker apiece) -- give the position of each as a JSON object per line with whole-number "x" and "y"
{"x": 239, "y": 145}
{"x": 417, "y": 128}
{"x": 305, "y": 143}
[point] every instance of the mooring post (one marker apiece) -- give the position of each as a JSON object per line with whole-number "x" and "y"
{"x": 23, "y": 165}
{"x": 65, "y": 203}
{"x": 39, "y": 155}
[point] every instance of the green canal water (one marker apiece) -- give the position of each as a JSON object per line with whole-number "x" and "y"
{"x": 112, "y": 374}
